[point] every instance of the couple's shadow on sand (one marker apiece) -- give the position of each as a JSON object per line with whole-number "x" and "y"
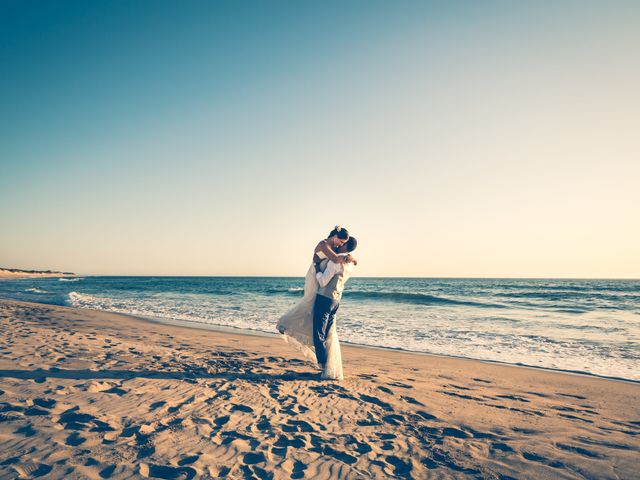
{"x": 195, "y": 373}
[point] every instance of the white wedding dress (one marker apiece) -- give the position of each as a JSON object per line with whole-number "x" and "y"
{"x": 297, "y": 328}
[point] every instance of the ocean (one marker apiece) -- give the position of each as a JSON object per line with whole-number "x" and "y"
{"x": 587, "y": 326}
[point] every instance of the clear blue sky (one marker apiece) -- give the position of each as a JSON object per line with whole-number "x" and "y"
{"x": 451, "y": 138}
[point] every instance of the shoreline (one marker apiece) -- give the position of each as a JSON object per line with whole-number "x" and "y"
{"x": 92, "y": 394}
{"x": 259, "y": 333}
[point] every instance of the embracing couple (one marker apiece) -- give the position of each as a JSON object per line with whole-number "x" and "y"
{"x": 310, "y": 325}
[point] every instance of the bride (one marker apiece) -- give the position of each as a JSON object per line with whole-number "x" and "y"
{"x": 296, "y": 325}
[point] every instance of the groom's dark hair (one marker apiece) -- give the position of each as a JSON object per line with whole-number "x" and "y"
{"x": 351, "y": 244}
{"x": 341, "y": 232}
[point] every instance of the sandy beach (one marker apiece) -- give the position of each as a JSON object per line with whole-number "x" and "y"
{"x": 87, "y": 394}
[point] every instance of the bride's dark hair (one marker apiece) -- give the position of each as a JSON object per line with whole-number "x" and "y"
{"x": 342, "y": 233}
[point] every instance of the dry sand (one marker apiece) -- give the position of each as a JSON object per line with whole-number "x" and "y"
{"x": 86, "y": 394}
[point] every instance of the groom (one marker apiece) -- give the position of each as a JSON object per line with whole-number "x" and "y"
{"x": 331, "y": 283}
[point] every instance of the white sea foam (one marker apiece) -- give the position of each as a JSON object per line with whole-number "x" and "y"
{"x": 81, "y": 300}
{"x": 532, "y": 339}
{"x": 191, "y": 308}
{"x": 36, "y": 290}
{"x": 70, "y": 279}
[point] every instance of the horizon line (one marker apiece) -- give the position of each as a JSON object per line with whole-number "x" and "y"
{"x": 367, "y": 276}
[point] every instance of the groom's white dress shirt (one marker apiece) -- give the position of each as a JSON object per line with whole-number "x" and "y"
{"x": 332, "y": 269}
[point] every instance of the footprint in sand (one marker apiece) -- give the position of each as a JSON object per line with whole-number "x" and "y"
{"x": 73, "y": 419}
{"x": 8, "y": 407}
{"x": 26, "y": 430}
{"x": 461, "y": 395}
{"x": 513, "y": 397}
{"x": 401, "y": 385}
{"x": 157, "y": 405}
{"x": 175, "y": 408}
{"x": 400, "y": 467}
{"x": 385, "y": 390}
{"x": 502, "y": 447}
{"x": 221, "y": 421}
{"x": 339, "y": 455}
{"x": 329, "y": 389}
{"x": 188, "y": 460}
{"x": 426, "y": 416}
{"x": 454, "y": 432}
{"x": 579, "y": 450}
{"x": 360, "y": 447}
{"x": 253, "y": 458}
{"x": 297, "y": 426}
{"x": 534, "y": 457}
{"x": 263, "y": 424}
{"x": 283, "y": 443}
{"x": 477, "y": 434}
{"x": 106, "y": 387}
{"x": 573, "y": 417}
{"x": 411, "y": 400}
{"x": 167, "y": 472}
{"x": 35, "y": 411}
{"x": 562, "y": 408}
{"x": 241, "y": 408}
{"x": 394, "y": 419}
{"x": 442, "y": 458}
{"x": 145, "y": 447}
{"x": 482, "y": 380}
{"x": 45, "y": 402}
{"x": 32, "y": 469}
{"x": 107, "y": 471}
{"x": 376, "y": 401}
{"x": 538, "y": 394}
{"x": 525, "y": 431}
{"x": 75, "y": 439}
{"x": 229, "y": 437}
{"x": 298, "y": 469}
{"x": 100, "y": 426}
{"x": 370, "y": 421}
{"x": 458, "y": 387}
{"x": 254, "y": 471}
{"x": 569, "y": 395}
{"x": 603, "y": 443}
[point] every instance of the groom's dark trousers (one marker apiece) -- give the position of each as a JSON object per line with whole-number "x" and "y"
{"x": 324, "y": 312}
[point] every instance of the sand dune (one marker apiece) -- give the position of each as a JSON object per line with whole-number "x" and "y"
{"x": 86, "y": 394}
{"x": 15, "y": 273}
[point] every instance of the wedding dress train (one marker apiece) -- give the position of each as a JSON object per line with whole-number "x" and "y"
{"x": 297, "y": 328}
